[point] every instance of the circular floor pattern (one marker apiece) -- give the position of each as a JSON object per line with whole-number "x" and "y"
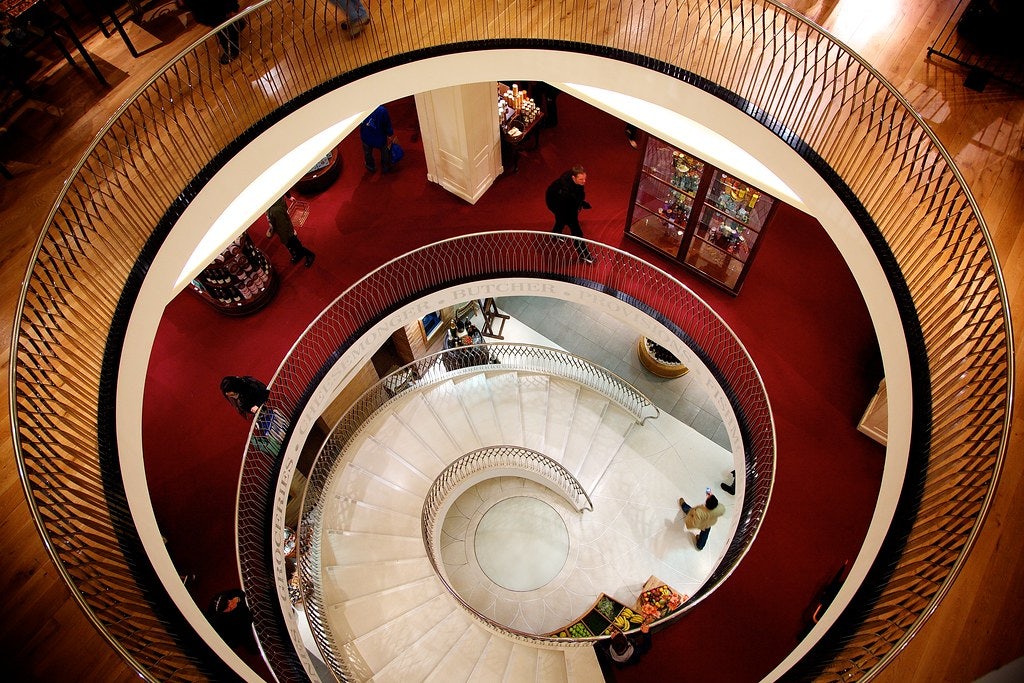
{"x": 521, "y": 543}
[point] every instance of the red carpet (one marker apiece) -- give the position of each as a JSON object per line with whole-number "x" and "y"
{"x": 799, "y": 315}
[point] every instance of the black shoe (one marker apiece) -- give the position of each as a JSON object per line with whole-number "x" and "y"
{"x": 730, "y": 488}
{"x": 309, "y": 259}
{"x": 295, "y": 258}
{"x": 225, "y": 58}
{"x": 356, "y": 27}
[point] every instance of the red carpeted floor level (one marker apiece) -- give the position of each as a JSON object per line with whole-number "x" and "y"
{"x": 799, "y": 315}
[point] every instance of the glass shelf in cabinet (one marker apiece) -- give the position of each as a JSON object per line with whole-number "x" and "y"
{"x": 689, "y": 188}
{"x": 743, "y": 219}
{"x": 665, "y": 216}
{"x": 658, "y": 233}
{"x": 722, "y": 238}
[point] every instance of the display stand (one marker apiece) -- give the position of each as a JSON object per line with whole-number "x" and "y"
{"x": 491, "y": 313}
{"x": 706, "y": 219}
{"x": 322, "y": 175}
{"x": 658, "y": 360}
{"x": 518, "y": 119}
{"x": 463, "y": 335}
{"x": 240, "y": 281}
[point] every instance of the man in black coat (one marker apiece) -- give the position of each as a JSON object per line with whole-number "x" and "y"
{"x": 213, "y": 13}
{"x": 565, "y": 198}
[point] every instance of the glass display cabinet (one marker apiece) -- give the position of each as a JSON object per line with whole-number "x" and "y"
{"x": 697, "y": 214}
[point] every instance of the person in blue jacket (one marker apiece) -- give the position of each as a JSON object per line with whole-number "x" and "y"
{"x": 376, "y": 133}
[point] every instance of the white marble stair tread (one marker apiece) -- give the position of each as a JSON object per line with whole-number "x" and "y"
{"x": 460, "y": 660}
{"x": 533, "y": 401}
{"x": 507, "y": 402}
{"x": 522, "y": 664}
{"x": 360, "y": 516}
{"x": 354, "y": 619}
{"x": 348, "y": 547}
{"x": 388, "y": 464}
{"x": 506, "y": 394}
{"x": 447, "y": 408}
{"x": 348, "y": 582}
{"x": 415, "y": 661}
{"x": 551, "y": 666}
{"x": 420, "y": 420}
{"x": 406, "y": 443}
{"x": 493, "y": 660}
{"x": 581, "y": 665}
{"x": 561, "y": 405}
{"x": 356, "y": 483}
{"x": 376, "y": 423}
{"x": 474, "y": 394}
{"x": 608, "y": 440}
{"x": 586, "y": 419}
{"x": 382, "y": 644}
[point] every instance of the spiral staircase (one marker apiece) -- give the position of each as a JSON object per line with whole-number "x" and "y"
{"x": 387, "y": 610}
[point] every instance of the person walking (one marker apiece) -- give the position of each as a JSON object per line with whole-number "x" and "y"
{"x": 246, "y": 394}
{"x": 356, "y": 16}
{"x": 230, "y": 617}
{"x": 376, "y": 133}
{"x": 625, "y": 650}
{"x": 281, "y": 225}
{"x": 565, "y": 198}
{"x": 213, "y": 13}
{"x": 702, "y": 517}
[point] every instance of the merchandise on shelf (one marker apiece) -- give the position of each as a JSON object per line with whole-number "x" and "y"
{"x": 239, "y": 281}
{"x": 517, "y": 111}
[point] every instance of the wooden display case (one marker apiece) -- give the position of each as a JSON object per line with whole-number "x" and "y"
{"x": 322, "y": 175}
{"x": 240, "y": 280}
{"x": 697, "y": 214}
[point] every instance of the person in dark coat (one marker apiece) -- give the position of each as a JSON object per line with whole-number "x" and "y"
{"x": 376, "y": 133}
{"x": 231, "y": 618}
{"x": 247, "y": 394}
{"x": 565, "y": 198}
{"x": 281, "y": 225}
{"x": 213, "y": 13}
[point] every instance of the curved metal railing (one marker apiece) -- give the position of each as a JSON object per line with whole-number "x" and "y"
{"x": 814, "y": 93}
{"x": 497, "y": 458}
{"x": 518, "y": 254}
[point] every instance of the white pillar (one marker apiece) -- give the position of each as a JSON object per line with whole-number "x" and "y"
{"x": 461, "y": 141}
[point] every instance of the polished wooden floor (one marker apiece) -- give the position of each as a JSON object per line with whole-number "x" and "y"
{"x": 977, "y": 627}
